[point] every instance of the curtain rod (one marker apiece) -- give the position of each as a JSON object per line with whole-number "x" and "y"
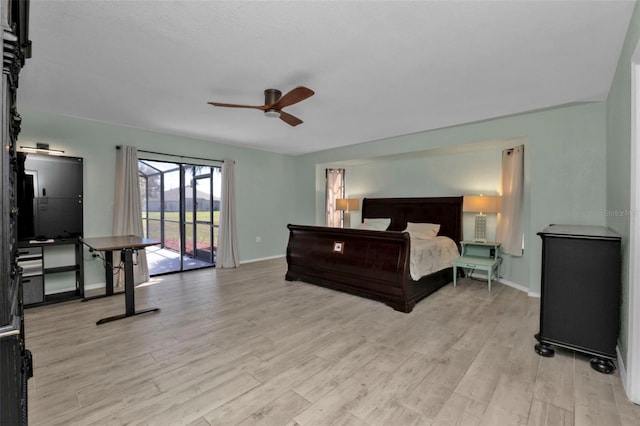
{"x": 178, "y": 156}
{"x": 510, "y": 150}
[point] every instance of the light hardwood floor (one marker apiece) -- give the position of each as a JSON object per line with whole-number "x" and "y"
{"x": 247, "y": 347}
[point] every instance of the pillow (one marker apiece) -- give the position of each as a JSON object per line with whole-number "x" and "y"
{"x": 422, "y": 231}
{"x": 375, "y": 224}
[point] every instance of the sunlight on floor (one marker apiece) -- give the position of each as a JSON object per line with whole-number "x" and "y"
{"x": 162, "y": 261}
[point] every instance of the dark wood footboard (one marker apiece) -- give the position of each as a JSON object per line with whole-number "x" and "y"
{"x": 374, "y": 264}
{"x": 370, "y": 264}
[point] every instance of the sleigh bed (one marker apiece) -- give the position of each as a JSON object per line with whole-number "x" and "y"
{"x": 374, "y": 264}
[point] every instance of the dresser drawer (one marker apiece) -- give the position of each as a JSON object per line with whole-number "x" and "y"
{"x": 30, "y": 260}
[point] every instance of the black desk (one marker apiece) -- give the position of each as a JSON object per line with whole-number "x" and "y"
{"x": 127, "y": 244}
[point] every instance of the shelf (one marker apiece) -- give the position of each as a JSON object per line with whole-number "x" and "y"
{"x": 57, "y": 269}
{"x": 54, "y": 242}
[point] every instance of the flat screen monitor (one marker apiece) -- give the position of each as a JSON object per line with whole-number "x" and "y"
{"x": 50, "y": 196}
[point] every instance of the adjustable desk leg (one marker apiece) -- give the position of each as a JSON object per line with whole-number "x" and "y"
{"x": 108, "y": 273}
{"x": 129, "y": 284}
{"x": 108, "y": 278}
{"x": 129, "y": 290}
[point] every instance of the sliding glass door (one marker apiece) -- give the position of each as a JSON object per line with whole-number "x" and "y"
{"x": 181, "y": 205}
{"x": 202, "y": 212}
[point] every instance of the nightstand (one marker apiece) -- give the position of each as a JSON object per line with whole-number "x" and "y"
{"x": 478, "y": 255}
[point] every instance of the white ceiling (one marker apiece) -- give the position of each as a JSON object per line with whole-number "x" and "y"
{"x": 379, "y": 68}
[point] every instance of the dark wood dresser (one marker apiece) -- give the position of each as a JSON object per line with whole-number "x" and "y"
{"x": 580, "y": 292}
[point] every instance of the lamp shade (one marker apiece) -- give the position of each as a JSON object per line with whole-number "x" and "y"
{"x": 348, "y": 204}
{"x": 480, "y": 203}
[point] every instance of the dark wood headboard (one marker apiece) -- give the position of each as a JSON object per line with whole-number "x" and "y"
{"x": 446, "y": 211}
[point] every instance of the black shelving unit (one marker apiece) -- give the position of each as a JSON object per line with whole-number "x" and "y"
{"x": 32, "y": 258}
{"x": 580, "y": 294}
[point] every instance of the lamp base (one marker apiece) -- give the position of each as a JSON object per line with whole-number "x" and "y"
{"x": 480, "y": 233}
{"x": 346, "y": 220}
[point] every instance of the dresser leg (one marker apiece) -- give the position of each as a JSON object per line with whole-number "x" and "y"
{"x": 545, "y": 349}
{"x": 603, "y": 365}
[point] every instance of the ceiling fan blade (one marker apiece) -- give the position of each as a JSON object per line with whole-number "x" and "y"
{"x": 296, "y": 95}
{"x": 219, "y": 104}
{"x": 290, "y": 119}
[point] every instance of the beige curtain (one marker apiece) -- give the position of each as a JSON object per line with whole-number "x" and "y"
{"x": 334, "y": 190}
{"x": 227, "y": 252}
{"x": 509, "y": 230}
{"x": 127, "y": 211}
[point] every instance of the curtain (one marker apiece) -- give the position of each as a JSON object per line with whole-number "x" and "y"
{"x": 127, "y": 211}
{"x": 509, "y": 230}
{"x": 227, "y": 255}
{"x": 334, "y": 190}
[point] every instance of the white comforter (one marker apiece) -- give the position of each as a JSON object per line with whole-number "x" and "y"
{"x": 432, "y": 255}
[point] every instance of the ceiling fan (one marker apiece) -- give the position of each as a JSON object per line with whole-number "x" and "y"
{"x": 274, "y": 101}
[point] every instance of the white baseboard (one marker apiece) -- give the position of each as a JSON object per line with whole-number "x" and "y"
{"x": 623, "y": 375}
{"x": 278, "y": 256}
{"x": 623, "y": 369}
{"x": 103, "y": 284}
{"x": 63, "y": 290}
{"x": 95, "y": 286}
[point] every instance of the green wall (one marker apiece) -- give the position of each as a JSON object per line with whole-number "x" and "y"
{"x": 565, "y": 177}
{"x": 437, "y": 173}
{"x": 564, "y": 173}
{"x": 264, "y": 181}
{"x": 618, "y": 164}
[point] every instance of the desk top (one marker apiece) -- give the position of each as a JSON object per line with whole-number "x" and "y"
{"x": 118, "y": 242}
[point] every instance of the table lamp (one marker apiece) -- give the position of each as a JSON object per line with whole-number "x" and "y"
{"x": 347, "y": 205}
{"x": 480, "y": 204}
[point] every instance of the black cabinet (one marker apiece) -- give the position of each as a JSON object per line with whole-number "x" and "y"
{"x": 15, "y": 358}
{"x": 580, "y": 293}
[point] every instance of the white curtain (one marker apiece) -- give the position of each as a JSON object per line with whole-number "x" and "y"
{"x": 509, "y": 230}
{"x": 227, "y": 252}
{"x": 127, "y": 211}
{"x": 335, "y": 190}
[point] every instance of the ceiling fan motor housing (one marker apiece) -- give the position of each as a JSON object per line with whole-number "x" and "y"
{"x": 271, "y": 96}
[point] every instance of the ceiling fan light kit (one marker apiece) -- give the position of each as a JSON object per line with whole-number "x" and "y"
{"x": 274, "y": 102}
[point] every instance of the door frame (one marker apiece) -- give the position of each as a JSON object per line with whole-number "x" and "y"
{"x": 631, "y": 377}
